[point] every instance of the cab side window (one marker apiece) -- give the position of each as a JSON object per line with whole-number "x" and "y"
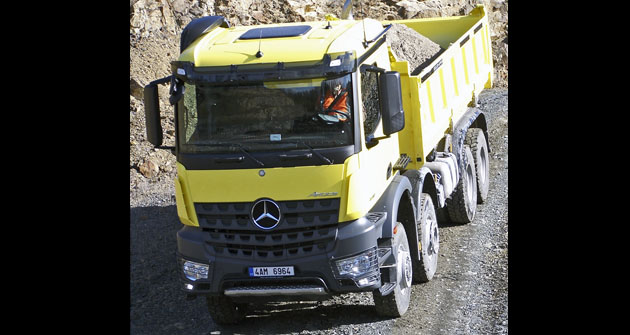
{"x": 370, "y": 103}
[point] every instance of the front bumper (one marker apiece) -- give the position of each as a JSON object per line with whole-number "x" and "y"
{"x": 312, "y": 253}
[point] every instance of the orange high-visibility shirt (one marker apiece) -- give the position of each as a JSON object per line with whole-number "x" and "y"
{"x": 340, "y": 105}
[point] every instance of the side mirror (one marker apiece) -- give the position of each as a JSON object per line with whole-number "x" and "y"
{"x": 152, "y": 115}
{"x": 152, "y": 111}
{"x": 390, "y": 96}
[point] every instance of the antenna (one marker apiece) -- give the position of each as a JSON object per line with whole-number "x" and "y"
{"x": 363, "y": 21}
{"x": 259, "y": 53}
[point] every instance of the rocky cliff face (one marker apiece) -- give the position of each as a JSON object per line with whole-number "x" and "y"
{"x": 155, "y": 26}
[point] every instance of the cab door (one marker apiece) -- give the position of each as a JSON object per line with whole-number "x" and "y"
{"x": 379, "y": 152}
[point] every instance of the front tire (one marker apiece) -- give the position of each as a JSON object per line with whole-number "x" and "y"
{"x": 396, "y": 303}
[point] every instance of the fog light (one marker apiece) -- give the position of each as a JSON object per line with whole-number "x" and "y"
{"x": 358, "y": 265}
{"x": 194, "y": 271}
{"x": 189, "y": 287}
{"x": 370, "y": 280}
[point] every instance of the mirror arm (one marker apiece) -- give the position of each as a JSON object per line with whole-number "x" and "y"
{"x": 160, "y": 81}
{"x": 375, "y": 140}
{"x": 176, "y": 91}
{"x": 371, "y": 68}
{"x": 381, "y": 138}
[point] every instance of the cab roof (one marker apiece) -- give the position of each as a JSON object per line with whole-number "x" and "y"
{"x": 283, "y": 42}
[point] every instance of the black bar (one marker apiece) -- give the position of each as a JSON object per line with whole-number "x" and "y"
{"x": 244, "y": 74}
{"x": 464, "y": 40}
{"x": 377, "y": 36}
{"x": 370, "y": 51}
{"x": 295, "y": 157}
{"x": 431, "y": 72}
{"x": 236, "y": 159}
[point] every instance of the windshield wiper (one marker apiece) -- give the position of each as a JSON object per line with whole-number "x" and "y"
{"x": 316, "y": 153}
{"x": 239, "y": 146}
{"x": 322, "y": 157}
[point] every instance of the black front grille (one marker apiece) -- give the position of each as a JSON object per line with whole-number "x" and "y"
{"x": 306, "y": 227}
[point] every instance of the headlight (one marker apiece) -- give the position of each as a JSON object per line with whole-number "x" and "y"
{"x": 194, "y": 271}
{"x": 354, "y": 266}
{"x": 362, "y": 268}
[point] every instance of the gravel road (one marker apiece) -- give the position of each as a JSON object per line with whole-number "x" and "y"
{"x": 468, "y": 294}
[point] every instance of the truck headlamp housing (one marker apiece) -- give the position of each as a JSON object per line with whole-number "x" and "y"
{"x": 354, "y": 266}
{"x": 195, "y": 271}
{"x": 361, "y": 268}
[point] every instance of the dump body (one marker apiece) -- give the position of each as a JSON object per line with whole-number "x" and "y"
{"x": 438, "y": 97}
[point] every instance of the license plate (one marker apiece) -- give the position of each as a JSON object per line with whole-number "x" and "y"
{"x": 271, "y": 271}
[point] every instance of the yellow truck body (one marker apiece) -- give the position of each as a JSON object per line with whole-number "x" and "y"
{"x": 288, "y": 213}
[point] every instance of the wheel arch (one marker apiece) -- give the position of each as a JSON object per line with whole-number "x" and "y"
{"x": 482, "y": 123}
{"x": 421, "y": 182}
{"x": 473, "y": 118}
{"x": 397, "y": 202}
{"x": 401, "y": 203}
{"x": 398, "y": 191}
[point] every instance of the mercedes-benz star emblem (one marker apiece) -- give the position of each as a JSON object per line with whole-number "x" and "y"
{"x": 265, "y": 214}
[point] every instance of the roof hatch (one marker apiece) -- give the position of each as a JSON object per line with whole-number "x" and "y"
{"x": 274, "y": 32}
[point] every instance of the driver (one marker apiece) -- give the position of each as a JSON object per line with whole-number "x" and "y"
{"x": 335, "y": 101}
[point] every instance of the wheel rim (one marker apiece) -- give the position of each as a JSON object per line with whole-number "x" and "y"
{"x": 404, "y": 269}
{"x": 432, "y": 239}
{"x": 470, "y": 179}
{"x": 483, "y": 167}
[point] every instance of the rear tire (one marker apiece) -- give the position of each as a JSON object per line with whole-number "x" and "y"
{"x": 396, "y": 303}
{"x": 462, "y": 203}
{"x": 429, "y": 237}
{"x": 479, "y": 147}
{"x": 224, "y": 311}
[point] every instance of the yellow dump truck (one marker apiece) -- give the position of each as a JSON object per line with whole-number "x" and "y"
{"x": 310, "y": 162}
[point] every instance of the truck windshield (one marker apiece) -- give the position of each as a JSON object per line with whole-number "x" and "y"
{"x": 281, "y": 115}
